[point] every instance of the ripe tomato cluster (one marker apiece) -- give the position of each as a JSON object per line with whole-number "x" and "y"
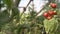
{"x": 50, "y": 13}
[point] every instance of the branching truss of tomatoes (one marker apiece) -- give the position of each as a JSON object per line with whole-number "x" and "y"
{"x": 48, "y": 15}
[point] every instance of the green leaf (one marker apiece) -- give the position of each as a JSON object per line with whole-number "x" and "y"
{"x": 50, "y": 25}
{"x": 8, "y": 3}
{"x": 16, "y": 14}
{"x": 4, "y": 16}
{"x": 15, "y": 11}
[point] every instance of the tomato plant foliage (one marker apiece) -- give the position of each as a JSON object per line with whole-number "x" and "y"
{"x": 14, "y": 22}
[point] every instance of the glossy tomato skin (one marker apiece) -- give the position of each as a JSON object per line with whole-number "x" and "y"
{"x": 50, "y": 12}
{"x": 53, "y": 5}
{"x": 45, "y": 14}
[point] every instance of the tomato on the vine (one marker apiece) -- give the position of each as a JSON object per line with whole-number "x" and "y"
{"x": 49, "y": 17}
{"x": 53, "y": 5}
{"x": 51, "y": 12}
{"x": 45, "y": 14}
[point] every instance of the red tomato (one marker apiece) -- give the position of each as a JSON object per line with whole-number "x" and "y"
{"x": 53, "y": 5}
{"x": 49, "y": 17}
{"x": 50, "y": 12}
{"x": 45, "y": 14}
